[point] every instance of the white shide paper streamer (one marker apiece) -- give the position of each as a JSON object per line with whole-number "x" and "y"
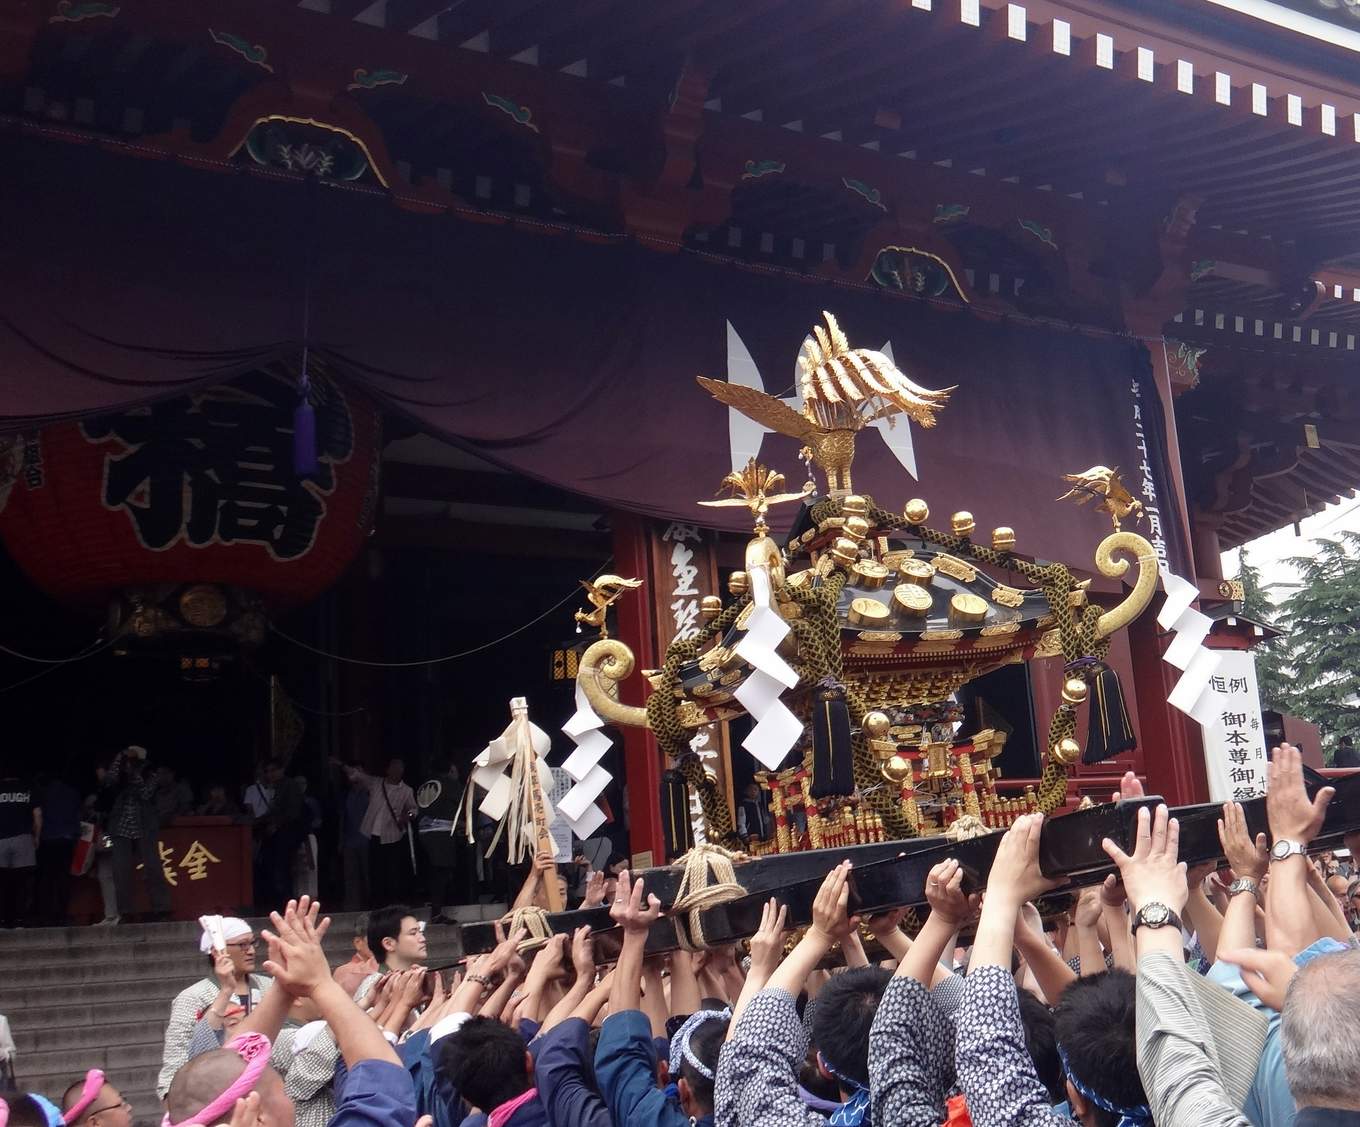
{"x": 777, "y": 729}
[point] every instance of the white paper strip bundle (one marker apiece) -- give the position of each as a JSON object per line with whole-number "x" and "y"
{"x": 502, "y": 769}
{"x": 1217, "y": 689}
{"x": 578, "y": 808}
{"x": 777, "y": 729}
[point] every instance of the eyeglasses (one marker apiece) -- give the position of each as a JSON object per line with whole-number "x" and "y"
{"x": 121, "y": 1104}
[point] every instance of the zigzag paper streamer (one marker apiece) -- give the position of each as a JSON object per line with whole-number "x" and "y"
{"x": 777, "y": 729}
{"x": 1206, "y": 695}
{"x": 578, "y": 807}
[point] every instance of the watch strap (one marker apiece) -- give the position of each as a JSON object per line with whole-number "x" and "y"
{"x": 1245, "y": 884}
{"x": 1171, "y": 920}
{"x": 1293, "y": 849}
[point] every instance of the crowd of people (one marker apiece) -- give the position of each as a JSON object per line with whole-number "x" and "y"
{"x": 358, "y": 838}
{"x": 1220, "y": 996}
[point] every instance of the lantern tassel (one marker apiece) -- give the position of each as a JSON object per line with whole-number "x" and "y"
{"x": 304, "y": 433}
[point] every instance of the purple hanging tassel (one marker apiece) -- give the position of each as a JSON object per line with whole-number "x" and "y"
{"x": 304, "y": 433}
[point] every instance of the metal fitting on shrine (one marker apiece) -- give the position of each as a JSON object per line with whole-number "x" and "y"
{"x": 896, "y": 769}
{"x": 856, "y": 528}
{"x": 962, "y": 524}
{"x": 916, "y": 511}
{"x": 710, "y": 607}
{"x": 1075, "y": 691}
{"x": 1003, "y": 539}
{"x": 855, "y": 506}
{"x": 845, "y": 551}
{"x": 875, "y": 725}
{"x": 738, "y": 583}
{"x": 1067, "y": 751}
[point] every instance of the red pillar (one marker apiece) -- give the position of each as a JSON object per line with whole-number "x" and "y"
{"x": 636, "y": 627}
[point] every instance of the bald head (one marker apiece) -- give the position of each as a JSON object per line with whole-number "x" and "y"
{"x": 207, "y": 1076}
{"x": 1320, "y": 1058}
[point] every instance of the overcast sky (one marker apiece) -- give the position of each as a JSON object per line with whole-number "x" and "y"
{"x": 1269, "y": 553}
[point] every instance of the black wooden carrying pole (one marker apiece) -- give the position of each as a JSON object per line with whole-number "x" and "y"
{"x": 893, "y": 874}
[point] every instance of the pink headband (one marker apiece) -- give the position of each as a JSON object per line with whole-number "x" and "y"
{"x": 253, "y": 1048}
{"x": 4, "y": 1113}
{"x": 94, "y": 1081}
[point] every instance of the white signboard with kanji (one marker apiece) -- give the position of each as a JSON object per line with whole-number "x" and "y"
{"x": 1234, "y": 739}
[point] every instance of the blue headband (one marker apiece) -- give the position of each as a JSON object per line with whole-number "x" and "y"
{"x": 680, "y": 1050}
{"x": 853, "y": 1111}
{"x": 49, "y": 1109}
{"x": 1128, "y": 1116}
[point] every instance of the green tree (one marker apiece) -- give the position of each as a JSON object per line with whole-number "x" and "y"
{"x": 1272, "y": 673}
{"x": 1321, "y": 661}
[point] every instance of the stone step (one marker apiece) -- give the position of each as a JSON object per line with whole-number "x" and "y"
{"x": 116, "y": 1060}
{"x": 143, "y": 1009}
{"x": 84, "y": 1036}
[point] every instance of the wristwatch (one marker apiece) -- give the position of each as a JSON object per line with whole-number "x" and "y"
{"x": 1283, "y": 849}
{"x": 1244, "y": 884}
{"x": 1155, "y": 915}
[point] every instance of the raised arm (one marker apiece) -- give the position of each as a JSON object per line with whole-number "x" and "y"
{"x": 1248, "y": 860}
{"x": 1179, "y": 1076}
{"x": 1290, "y": 923}
{"x": 767, "y": 947}
{"x": 298, "y": 963}
{"x": 1050, "y": 969}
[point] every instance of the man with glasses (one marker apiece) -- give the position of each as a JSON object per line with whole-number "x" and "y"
{"x": 96, "y": 1103}
{"x": 245, "y": 989}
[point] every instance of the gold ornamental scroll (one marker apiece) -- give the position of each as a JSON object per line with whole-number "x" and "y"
{"x": 685, "y": 571}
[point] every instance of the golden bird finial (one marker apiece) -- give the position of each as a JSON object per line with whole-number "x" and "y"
{"x": 1103, "y": 482}
{"x": 602, "y": 593}
{"x": 756, "y": 487}
{"x": 844, "y": 390}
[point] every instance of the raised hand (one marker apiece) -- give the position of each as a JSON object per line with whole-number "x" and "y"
{"x": 830, "y": 919}
{"x": 1291, "y": 816}
{"x": 767, "y": 945}
{"x": 594, "y": 890}
{"x": 504, "y": 953}
{"x": 547, "y": 964}
{"x": 1130, "y": 786}
{"x": 628, "y": 910}
{"x": 1015, "y": 873}
{"x": 297, "y": 961}
{"x": 246, "y": 1113}
{"x": 1266, "y": 973}
{"x": 1112, "y": 893}
{"x": 945, "y": 895}
{"x": 1088, "y": 908}
{"x": 1153, "y": 872}
{"x": 583, "y": 954}
{"x": 885, "y": 923}
{"x": 411, "y": 987}
{"x": 225, "y": 970}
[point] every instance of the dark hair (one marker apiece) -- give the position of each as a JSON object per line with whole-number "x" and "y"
{"x": 484, "y": 1060}
{"x": 815, "y": 1081}
{"x": 24, "y": 1110}
{"x": 844, "y": 1015}
{"x": 385, "y": 923}
{"x": 361, "y": 922}
{"x": 1095, "y": 1027}
{"x": 1042, "y": 1042}
{"x": 705, "y": 1043}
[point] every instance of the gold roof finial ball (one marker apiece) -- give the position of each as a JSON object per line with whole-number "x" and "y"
{"x": 1067, "y": 752}
{"x": 876, "y": 725}
{"x": 916, "y": 511}
{"x": 1074, "y": 691}
{"x": 1003, "y": 539}
{"x": 711, "y": 607}
{"x": 855, "y": 506}
{"x": 897, "y": 769}
{"x": 963, "y": 524}
{"x": 856, "y": 528}
{"x": 738, "y": 583}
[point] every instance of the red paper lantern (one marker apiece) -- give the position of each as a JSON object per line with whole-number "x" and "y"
{"x": 197, "y": 489}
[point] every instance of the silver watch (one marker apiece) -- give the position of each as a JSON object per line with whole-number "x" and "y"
{"x": 1244, "y": 884}
{"x": 1283, "y": 849}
